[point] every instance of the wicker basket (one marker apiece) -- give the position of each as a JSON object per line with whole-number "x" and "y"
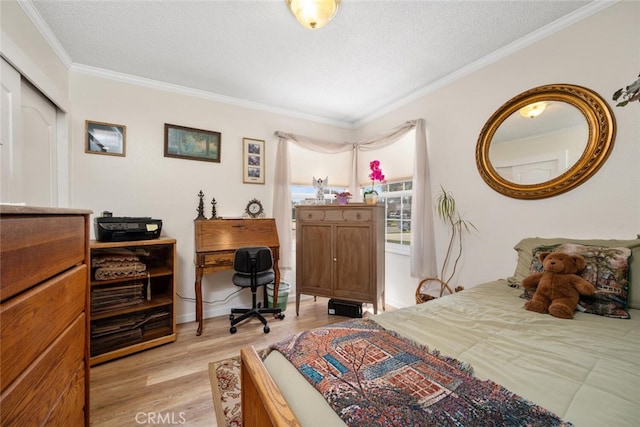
{"x": 423, "y": 296}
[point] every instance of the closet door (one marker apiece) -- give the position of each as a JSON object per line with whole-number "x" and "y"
{"x": 10, "y": 189}
{"x": 29, "y": 133}
{"x": 39, "y": 175}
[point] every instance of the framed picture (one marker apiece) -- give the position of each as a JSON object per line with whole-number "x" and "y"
{"x": 253, "y": 160}
{"x": 105, "y": 138}
{"x": 192, "y": 144}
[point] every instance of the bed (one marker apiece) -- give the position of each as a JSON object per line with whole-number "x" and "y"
{"x": 585, "y": 370}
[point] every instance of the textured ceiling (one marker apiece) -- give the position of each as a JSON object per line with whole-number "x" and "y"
{"x": 372, "y": 55}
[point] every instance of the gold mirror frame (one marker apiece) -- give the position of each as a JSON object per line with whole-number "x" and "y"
{"x": 602, "y": 130}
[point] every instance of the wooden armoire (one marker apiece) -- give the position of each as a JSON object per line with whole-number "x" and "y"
{"x": 340, "y": 252}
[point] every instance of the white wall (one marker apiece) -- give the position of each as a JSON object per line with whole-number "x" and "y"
{"x": 25, "y": 48}
{"x": 145, "y": 183}
{"x": 601, "y": 53}
{"x": 22, "y": 46}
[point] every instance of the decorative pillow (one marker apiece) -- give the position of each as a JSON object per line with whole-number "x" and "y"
{"x": 607, "y": 270}
{"x": 525, "y": 249}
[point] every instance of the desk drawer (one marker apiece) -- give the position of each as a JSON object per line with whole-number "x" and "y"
{"x": 35, "y": 248}
{"x": 223, "y": 259}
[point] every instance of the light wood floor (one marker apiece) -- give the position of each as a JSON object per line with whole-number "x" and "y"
{"x": 170, "y": 383}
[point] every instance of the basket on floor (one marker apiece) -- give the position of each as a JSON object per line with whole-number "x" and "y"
{"x": 421, "y": 291}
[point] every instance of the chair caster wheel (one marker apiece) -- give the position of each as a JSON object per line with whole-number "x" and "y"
{"x": 231, "y": 317}
{"x": 266, "y": 329}
{"x": 233, "y": 330}
{"x": 280, "y": 316}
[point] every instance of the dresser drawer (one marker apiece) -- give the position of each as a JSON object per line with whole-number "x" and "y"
{"x": 44, "y": 386}
{"x": 35, "y": 248}
{"x": 69, "y": 410}
{"x": 32, "y": 320}
{"x": 365, "y": 215}
{"x": 350, "y": 214}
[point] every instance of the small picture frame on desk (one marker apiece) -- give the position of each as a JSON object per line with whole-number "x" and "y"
{"x": 253, "y": 160}
{"x": 105, "y": 138}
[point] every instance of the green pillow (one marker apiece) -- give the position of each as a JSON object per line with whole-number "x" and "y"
{"x": 525, "y": 249}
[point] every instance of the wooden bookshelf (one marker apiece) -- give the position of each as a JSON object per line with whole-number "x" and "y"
{"x": 132, "y": 313}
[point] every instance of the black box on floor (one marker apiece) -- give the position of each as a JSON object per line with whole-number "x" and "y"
{"x": 345, "y": 308}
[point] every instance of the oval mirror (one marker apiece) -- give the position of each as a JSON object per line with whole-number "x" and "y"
{"x": 545, "y": 141}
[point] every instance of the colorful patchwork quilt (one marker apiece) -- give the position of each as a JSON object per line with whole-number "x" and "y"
{"x": 372, "y": 376}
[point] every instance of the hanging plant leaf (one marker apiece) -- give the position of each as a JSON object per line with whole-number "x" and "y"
{"x": 629, "y": 94}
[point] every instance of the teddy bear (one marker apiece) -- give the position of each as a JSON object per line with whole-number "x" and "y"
{"x": 558, "y": 285}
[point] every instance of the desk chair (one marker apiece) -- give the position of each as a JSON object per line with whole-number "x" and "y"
{"x": 254, "y": 267}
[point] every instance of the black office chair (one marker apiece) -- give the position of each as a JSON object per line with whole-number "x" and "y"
{"x": 254, "y": 267}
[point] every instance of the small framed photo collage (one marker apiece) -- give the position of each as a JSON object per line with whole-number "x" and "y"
{"x": 253, "y": 159}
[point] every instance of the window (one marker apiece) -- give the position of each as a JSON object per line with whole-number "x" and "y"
{"x": 301, "y": 194}
{"x": 397, "y": 198}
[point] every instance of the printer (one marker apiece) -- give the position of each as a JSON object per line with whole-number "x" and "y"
{"x": 120, "y": 229}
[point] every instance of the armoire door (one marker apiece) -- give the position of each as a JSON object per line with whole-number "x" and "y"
{"x": 314, "y": 274}
{"x": 353, "y": 262}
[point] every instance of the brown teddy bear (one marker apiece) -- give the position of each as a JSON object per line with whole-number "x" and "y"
{"x": 558, "y": 286}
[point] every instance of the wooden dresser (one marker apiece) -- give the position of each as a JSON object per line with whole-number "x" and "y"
{"x": 44, "y": 351}
{"x": 340, "y": 252}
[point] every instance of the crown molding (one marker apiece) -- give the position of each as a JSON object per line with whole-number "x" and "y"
{"x": 529, "y": 39}
{"x": 197, "y": 93}
{"x": 43, "y": 27}
{"x": 549, "y": 29}
{"x": 19, "y": 60}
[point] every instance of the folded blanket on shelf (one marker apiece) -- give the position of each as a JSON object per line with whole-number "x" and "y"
{"x": 119, "y": 256}
{"x": 113, "y": 256}
{"x": 130, "y": 270}
{"x": 117, "y": 263}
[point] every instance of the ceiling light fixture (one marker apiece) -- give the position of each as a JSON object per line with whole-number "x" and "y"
{"x": 533, "y": 110}
{"x": 313, "y": 14}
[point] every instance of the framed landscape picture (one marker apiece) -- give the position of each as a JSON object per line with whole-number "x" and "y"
{"x": 105, "y": 138}
{"x": 253, "y": 161}
{"x": 192, "y": 144}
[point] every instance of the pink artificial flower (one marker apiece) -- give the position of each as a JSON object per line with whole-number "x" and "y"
{"x": 376, "y": 173}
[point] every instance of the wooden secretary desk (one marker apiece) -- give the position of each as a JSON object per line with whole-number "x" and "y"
{"x": 216, "y": 241}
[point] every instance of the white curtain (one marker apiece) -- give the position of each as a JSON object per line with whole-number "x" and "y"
{"x": 423, "y": 261}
